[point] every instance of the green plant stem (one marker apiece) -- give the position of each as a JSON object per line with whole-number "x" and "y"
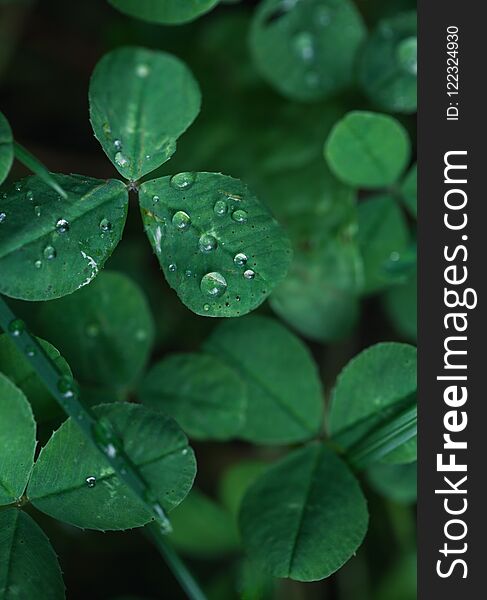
{"x": 34, "y": 165}
{"x": 101, "y": 433}
{"x": 179, "y": 569}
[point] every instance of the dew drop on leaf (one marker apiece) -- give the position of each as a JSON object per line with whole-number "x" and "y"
{"x": 172, "y": 267}
{"x": 30, "y": 195}
{"x": 38, "y": 264}
{"x": 220, "y": 208}
{"x": 66, "y": 387}
{"x": 183, "y": 181}
{"x": 105, "y": 225}
{"x": 249, "y": 274}
{"x": 207, "y": 243}
{"x": 240, "y": 216}
{"x": 155, "y": 199}
{"x": 142, "y": 70}
{"x": 91, "y": 481}
{"x": 189, "y": 273}
{"x": 18, "y": 187}
{"x": 30, "y": 351}
{"x": 37, "y": 210}
{"x": 117, "y": 144}
{"x": 213, "y": 284}
{"x": 181, "y": 220}
{"x": 16, "y": 327}
{"x": 49, "y": 252}
{"x": 121, "y": 160}
{"x": 240, "y": 259}
{"x": 3, "y": 216}
{"x": 62, "y": 226}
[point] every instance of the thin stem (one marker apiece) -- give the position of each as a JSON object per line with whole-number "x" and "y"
{"x": 179, "y": 569}
{"x": 33, "y": 164}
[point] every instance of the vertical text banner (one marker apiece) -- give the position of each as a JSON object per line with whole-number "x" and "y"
{"x": 452, "y": 158}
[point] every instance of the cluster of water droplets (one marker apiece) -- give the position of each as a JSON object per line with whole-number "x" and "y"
{"x": 120, "y": 158}
{"x": 212, "y": 284}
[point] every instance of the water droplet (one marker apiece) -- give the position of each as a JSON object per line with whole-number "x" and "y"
{"x": 30, "y": 195}
{"x": 91, "y": 481}
{"x": 240, "y": 216}
{"x": 37, "y": 210}
{"x": 121, "y": 160}
{"x": 3, "y": 216}
{"x": 407, "y": 55}
{"x": 220, "y": 208}
{"x": 394, "y": 256}
{"x": 155, "y": 199}
{"x": 188, "y": 273}
{"x": 172, "y": 267}
{"x": 111, "y": 450}
{"x": 105, "y": 225}
{"x": 213, "y": 284}
{"x": 117, "y": 144}
{"x": 16, "y": 327}
{"x": 66, "y": 386}
{"x": 185, "y": 451}
{"x": 183, "y": 181}
{"x": 240, "y": 259}
{"x": 304, "y": 46}
{"x": 181, "y": 220}
{"x": 92, "y": 330}
{"x": 207, "y": 243}
{"x": 249, "y": 274}
{"x": 18, "y": 187}
{"x": 142, "y": 70}
{"x": 31, "y": 351}
{"x": 206, "y": 307}
{"x": 323, "y": 15}
{"x": 62, "y": 226}
{"x": 38, "y": 264}
{"x": 49, "y": 252}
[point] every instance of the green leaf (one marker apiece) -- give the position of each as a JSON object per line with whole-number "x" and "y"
{"x": 306, "y": 50}
{"x": 6, "y": 149}
{"x": 51, "y": 247}
{"x": 202, "y": 528}
{"x": 319, "y": 297}
{"x": 110, "y": 330}
{"x": 207, "y": 398}
{"x": 397, "y": 482}
{"x": 15, "y": 365}
{"x": 373, "y": 390}
{"x": 141, "y": 101}
{"x": 387, "y": 68}
{"x": 383, "y": 238}
{"x": 305, "y": 516}
{"x": 219, "y": 247}
{"x": 401, "y": 305}
{"x": 409, "y": 191}
{"x": 62, "y": 486}
{"x": 17, "y": 442}
{"x": 285, "y": 399}
{"x": 29, "y": 567}
{"x": 236, "y": 480}
{"x": 368, "y": 150}
{"x": 33, "y": 164}
{"x": 171, "y": 12}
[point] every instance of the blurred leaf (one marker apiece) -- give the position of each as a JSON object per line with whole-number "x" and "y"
{"x": 171, "y": 12}
{"x": 254, "y": 583}
{"x": 17, "y": 443}
{"x": 401, "y": 305}
{"x": 29, "y": 567}
{"x": 202, "y": 528}
{"x": 306, "y": 50}
{"x": 73, "y": 482}
{"x": 383, "y": 237}
{"x": 219, "y": 247}
{"x": 368, "y": 150}
{"x": 207, "y": 398}
{"x": 236, "y": 480}
{"x": 388, "y": 64}
{"x": 34, "y": 164}
{"x": 372, "y": 391}
{"x": 105, "y": 330}
{"x": 141, "y": 101}
{"x": 6, "y": 149}
{"x": 400, "y": 582}
{"x": 285, "y": 398}
{"x": 409, "y": 191}
{"x": 15, "y": 365}
{"x": 305, "y": 516}
{"x": 51, "y": 247}
{"x": 397, "y": 482}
